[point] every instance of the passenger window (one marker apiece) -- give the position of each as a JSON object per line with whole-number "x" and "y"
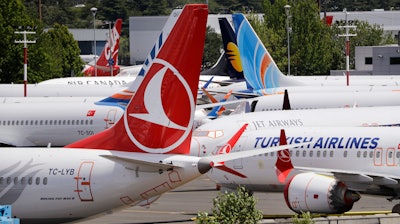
{"x": 17, "y": 123}
{"x": 1, "y": 180}
{"x": 358, "y": 154}
{"x": 311, "y": 153}
{"x": 345, "y": 154}
{"x": 45, "y": 181}
{"x": 8, "y": 180}
{"x": 37, "y": 180}
{"x": 297, "y": 153}
{"x": 23, "y": 180}
{"x": 15, "y": 180}
{"x": 304, "y": 153}
{"x": 331, "y": 153}
{"x": 30, "y": 180}
{"x": 365, "y": 154}
{"x": 371, "y": 154}
{"x": 324, "y": 154}
{"x": 318, "y": 153}
{"x": 272, "y": 154}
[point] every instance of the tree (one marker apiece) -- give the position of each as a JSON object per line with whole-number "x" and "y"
{"x": 234, "y": 207}
{"x": 311, "y": 40}
{"x": 12, "y": 15}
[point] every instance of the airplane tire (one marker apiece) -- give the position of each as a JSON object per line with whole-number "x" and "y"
{"x": 396, "y": 209}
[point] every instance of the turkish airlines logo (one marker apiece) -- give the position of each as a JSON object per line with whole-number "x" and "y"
{"x": 163, "y": 110}
{"x": 284, "y": 155}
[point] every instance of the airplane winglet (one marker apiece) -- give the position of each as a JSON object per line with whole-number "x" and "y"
{"x": 283, "y": 164}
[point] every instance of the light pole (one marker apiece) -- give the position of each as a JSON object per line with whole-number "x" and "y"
{"x": 25, "y": 41}
{"x": 287, "y": 11}
{"x": 347, "y": 43}
{"x": 94, "y": 10}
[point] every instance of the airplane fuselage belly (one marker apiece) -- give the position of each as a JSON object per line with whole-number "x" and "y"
{"x": 56, "y": 184}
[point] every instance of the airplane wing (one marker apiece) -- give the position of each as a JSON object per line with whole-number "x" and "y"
{"x": 356, "y": 180}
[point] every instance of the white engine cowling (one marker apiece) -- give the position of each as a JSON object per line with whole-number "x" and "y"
{"x": 318, "y": 194}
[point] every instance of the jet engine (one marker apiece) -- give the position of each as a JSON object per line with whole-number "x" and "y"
{"x": 318, "y": 194}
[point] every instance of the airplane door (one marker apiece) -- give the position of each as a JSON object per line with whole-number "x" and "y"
{"x": 238, "y": 163}
{"x": 83, "y": 181}
{"x": 110, "y": 119}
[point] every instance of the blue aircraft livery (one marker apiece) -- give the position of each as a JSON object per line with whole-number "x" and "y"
{"x": 322, "y": 142}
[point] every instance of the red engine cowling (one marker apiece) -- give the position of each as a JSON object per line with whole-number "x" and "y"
{"x": 318, "y": 194}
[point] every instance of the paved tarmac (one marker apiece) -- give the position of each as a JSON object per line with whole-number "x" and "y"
{"x": 183, "y": 204}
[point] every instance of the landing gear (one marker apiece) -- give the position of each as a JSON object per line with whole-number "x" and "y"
{"x": 396, "y": 209}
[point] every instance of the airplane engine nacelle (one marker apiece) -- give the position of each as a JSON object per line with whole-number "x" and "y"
{"x": 318, "y": 194}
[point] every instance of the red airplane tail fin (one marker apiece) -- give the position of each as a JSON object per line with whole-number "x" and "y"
{"x": 109, "y": 56}
{"x": 283, "y": 164}
{"x": 110, "y": 50}
{"x": 160, "y": 115}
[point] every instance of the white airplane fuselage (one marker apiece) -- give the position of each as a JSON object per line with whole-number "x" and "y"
{"x": 368, "y": 150}
{"x": 55, "y": 123}
{"x": 303, "y": 100}
{"x": 61, "y": 186}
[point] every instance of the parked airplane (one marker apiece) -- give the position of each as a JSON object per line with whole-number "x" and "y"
{"x": 144, "y": 155}
{"x": 107, "y": 63}
{"x": 307, "y": 100}
{"x": 262, "y": 75}
{"x": 352, "y": 160}
{"x": 58, "y": 121}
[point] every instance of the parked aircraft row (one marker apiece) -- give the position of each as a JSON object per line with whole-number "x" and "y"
{"x": 143, "y": 151}
{"x": 345, "y": 157}
{"x": 142, "y": 156}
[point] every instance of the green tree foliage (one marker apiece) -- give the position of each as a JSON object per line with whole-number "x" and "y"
{"x": 303, "y": 218}
{"x": 310, "y": 39}
{"x": 12, "y": 15}
{"x": 234, "y": 207}
{"x": 55, "y": 55}
{"x": 311, "y": 42}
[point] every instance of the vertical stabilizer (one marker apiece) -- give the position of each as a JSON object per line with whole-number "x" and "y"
{"x": 160, "y": 115}
{"x": 260, "y": 70}
{"x": 283, "y": 164}
{"x": 231, "y": 49}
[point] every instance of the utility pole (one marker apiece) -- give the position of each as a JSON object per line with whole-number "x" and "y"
{"x": 287, "y": 11}
{"x": 347, "y": 45}
{"x": 25, "y": 42}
